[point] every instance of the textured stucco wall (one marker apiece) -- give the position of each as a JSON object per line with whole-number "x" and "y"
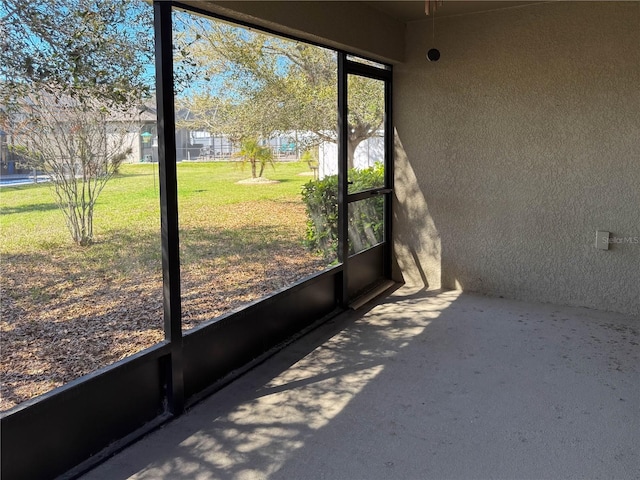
{"x": 514, "y": 148}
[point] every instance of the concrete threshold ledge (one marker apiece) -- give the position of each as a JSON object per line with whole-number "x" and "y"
{"x": 368, "y": 296}
{"x": 420, "y": 385}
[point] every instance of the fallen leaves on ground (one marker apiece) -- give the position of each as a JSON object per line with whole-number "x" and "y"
{"x": 60, "y": 320}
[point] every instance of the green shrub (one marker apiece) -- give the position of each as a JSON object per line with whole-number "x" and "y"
{"x": 365, "y": 218}
{"x": 321, "y": 201}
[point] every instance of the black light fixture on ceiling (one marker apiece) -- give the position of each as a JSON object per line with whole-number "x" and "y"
{"x": 430, "y": 6}
{"x": 433, "y": 55}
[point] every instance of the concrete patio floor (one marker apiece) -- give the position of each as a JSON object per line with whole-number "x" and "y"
{"x": 420, "y": 385}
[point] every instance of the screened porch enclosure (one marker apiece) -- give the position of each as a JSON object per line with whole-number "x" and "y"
{"x": 466, "y": 325}
{"x": 220, "y": 320}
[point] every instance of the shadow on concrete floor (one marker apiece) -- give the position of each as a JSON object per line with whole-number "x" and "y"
{"x": 421, "y": 385}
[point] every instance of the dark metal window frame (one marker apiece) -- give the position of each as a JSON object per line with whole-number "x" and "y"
{"x": 69, "y": 430}
{"x": 348, "y": 67}
{"x": 169, "y": 226}
{"x": 169, "y": 195}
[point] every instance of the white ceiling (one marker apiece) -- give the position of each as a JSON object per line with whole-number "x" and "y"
{"x": 409, "y": 11}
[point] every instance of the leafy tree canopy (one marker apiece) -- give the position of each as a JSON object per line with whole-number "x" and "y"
{"x": 270, "y": 84}
{"x": 87, "y": 49}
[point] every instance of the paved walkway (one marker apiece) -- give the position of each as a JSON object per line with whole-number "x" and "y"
{"x": 421, "y": 386}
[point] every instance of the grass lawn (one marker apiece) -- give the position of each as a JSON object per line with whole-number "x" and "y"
{"x": 67, "y": 310}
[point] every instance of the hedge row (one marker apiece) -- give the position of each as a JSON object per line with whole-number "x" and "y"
{"x": 366, "y": 217}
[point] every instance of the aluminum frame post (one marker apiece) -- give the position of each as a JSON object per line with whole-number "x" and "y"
{"x": 169, "y": 202}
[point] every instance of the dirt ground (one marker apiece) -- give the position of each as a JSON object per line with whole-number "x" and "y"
{"x": 52, "y": 332}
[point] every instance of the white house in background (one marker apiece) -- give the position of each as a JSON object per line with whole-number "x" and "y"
{"x": 201, "y": 145}
{"x": 367, "y": 153}
{"x": 143, "y": 137}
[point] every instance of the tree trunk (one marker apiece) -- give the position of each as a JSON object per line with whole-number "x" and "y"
{"x": 253, "y": 168}
{"x": 358, "y": 133}
{"x": 351, "y": 150}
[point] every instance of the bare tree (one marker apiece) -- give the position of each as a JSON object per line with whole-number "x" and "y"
{"x": 78, "y": 146}
{"x": 70, "y": 71}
